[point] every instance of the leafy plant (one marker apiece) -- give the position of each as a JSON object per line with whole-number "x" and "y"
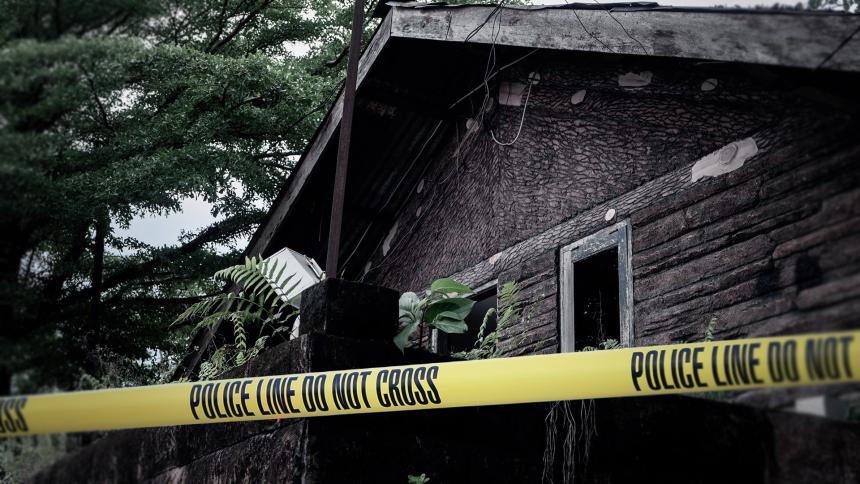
{"x": 264, "y": 297}
{"x": 486, "y": 343}
{"x": 607, "y": 344}
{"x": 112, "y": 112}
{"x": 422, "y": 479}
{"x": 709, "y": 331}
{"x": 853, "y": 413}
{"x": 444, "y": 307}
{"x": 20, "y": 458}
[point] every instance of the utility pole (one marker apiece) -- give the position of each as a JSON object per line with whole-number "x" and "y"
{"x": 343, "y": 142}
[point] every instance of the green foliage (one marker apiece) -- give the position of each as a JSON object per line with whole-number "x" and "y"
{"x": 486, "y": 343}
{"x": 422, "y": 479}
{"x": 261, "y": 298}
{"x": 444, "y": 307}
{"x": 449, "y": 286}
{"x": 853, "y": 413}
{"x": 119, "y": 108}
{"x": 607, "y": 344}
{"x": 710, "y": 329}
{"x": 710, "y": 336}
{"x": 844, "y": 5}
{"x": 116, "y": 109}
{"x": 21, "y": 457}
{"x": 261, "y": 285}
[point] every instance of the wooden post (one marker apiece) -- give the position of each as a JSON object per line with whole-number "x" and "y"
{"x": 343, "y": 142}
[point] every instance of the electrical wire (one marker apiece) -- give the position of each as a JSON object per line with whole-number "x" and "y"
{"x": 604, "y": 44}
{"x": 634, "y": 39}
{"x": 494, "y": 74}
{"x": 838, "y": 48}
{"x": 477, "y": 29}
{"x": 522, "y": 120}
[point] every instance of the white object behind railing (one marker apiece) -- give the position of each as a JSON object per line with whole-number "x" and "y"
{"x": 304, "y": 270}
{"x": 301, "y": 267}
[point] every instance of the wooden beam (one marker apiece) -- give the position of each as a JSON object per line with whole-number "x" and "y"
{"x": 762, "y": 37}
{"x": 308, "y": 161}
{"x": 349, "y": 88}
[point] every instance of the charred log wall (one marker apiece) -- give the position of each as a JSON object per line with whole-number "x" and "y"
{"x": 773, "y": 247}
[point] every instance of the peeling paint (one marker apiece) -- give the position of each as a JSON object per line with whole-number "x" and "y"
{"x": 726, "y": 159}
{"x": 633, "y": 79}
{"x": 709, "y": 84}
{"x": 386, "y": 244}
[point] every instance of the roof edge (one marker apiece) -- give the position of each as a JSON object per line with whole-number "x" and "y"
{"x": 636, "y": 28}
{"x": 755, "y": 37}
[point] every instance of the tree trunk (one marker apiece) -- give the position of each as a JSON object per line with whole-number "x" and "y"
{"x": 97, "y": 276}
{"x": 5, "y": 382}
{"x": 93, "y": 336}
{"x": 12, "y": 252}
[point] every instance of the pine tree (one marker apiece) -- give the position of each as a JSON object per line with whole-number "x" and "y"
{"x": 117, "y": 108}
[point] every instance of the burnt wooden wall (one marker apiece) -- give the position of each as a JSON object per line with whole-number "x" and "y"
{"x": 771, "y": 248}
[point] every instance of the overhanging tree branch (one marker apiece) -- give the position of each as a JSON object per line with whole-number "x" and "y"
{"x": 216, "y": 232}
{"x": 238, "y": 28}
{"x": 163, "y": 301}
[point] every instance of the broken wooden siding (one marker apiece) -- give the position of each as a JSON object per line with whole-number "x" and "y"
{"x": 769, "y": 248}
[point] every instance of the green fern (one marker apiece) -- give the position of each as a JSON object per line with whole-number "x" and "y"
{"x": 262, "y": 291}
{"x": 260, "y": 295}
{"x": 607, "y": 344}
{"x": 486, "y": 345}
{"x": 710, "y": 330}
{"x": 240, "y": 340}
{"x": 218, "y": 363}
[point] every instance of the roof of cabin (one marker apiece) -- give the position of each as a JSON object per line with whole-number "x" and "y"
{"x": 422, "y": 59}
{"x": 426, "y": 63}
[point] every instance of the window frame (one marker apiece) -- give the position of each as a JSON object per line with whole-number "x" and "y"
{"x": 618, "y": 236}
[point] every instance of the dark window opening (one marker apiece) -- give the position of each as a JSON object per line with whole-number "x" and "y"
{"x": 453, "y": 343}
{"x": 596, "y": 313}
{"x": 596, "y": 290}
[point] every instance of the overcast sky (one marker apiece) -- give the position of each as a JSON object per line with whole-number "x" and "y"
{"x": 195, "y": 214}
{"x": 165, "y": 230}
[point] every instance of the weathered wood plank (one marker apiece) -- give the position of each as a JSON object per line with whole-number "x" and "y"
{"x": 772, "y": 38}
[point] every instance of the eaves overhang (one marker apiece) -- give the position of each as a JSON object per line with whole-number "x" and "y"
{"x": 804, "y": 40}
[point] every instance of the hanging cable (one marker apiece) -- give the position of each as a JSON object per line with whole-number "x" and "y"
{"x": 522, "y": 120}
{"x": 634, "y": 39}
{"x": 604, "y": 44}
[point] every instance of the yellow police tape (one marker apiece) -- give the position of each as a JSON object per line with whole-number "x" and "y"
{"x": 684, "y": 368}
